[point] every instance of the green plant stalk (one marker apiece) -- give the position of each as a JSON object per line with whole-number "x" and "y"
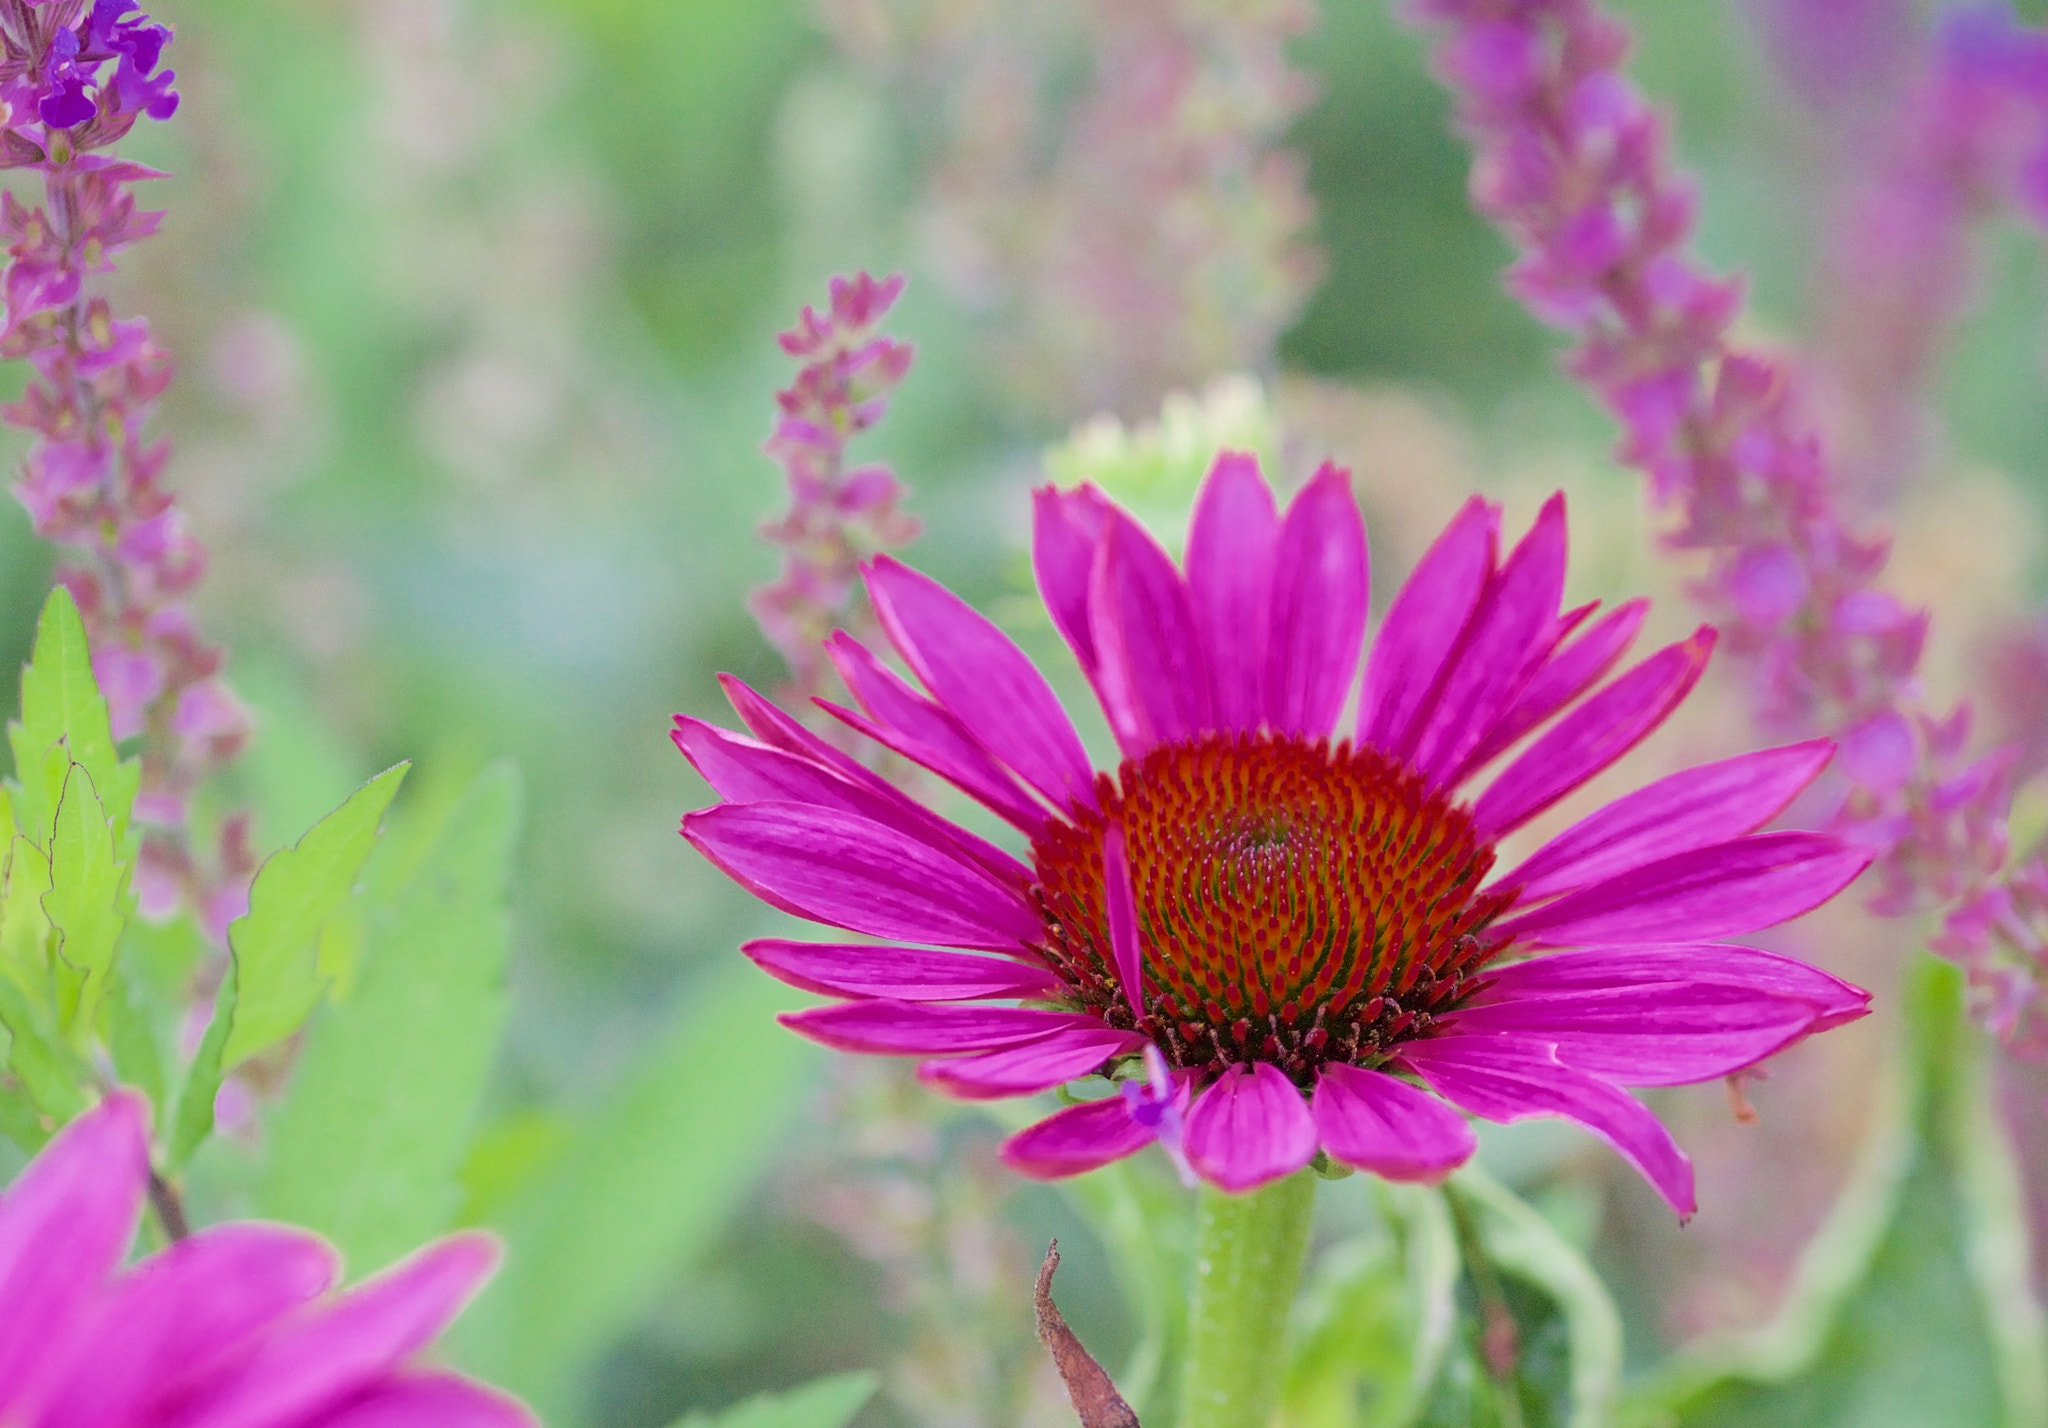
{"x": 1249, "y": 1251}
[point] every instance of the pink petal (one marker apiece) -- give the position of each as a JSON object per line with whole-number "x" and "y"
{"x": 1379, "y": 1123}
{"x": 1423, "y": 625}
{"x": 1670, "y": 1035}
{"x": 1155, "y": 681}
{"x": 323, "y": 1360}
{"x": 852, "y": 872}
{"x": 1687, "y": 810}
{"x": 1561, "y": 679}
{"x": 1719, "y": 891}
{"x": 1123, "y": 919}
{"x": 1076, "y": 1140}
{"x": 742, "y": 770}
{"x": 905, "y": 974}
{"x": 1230, "y": 583}
{"x": 1509, "y": 1079}
{"x": 1248, "y": 1128}
{"x": 1493, "y": 655}
{"x": 432, "y": 1400}
{"x": 65, "y": 1225}
{"x": 892, "y": 1028}
{"x": 1593, "y": 736}
{"x": 1565, "y": 975}
{"x": 1066, "y": 526}
{"x": 983, "y": 680}
{"x": 1032, "y": 1067}
{"x": 178, "y": 1315}
{"x": 926, "y": 734}
{"x": 778, "y": 730}
{"x": 1319, "y": 598}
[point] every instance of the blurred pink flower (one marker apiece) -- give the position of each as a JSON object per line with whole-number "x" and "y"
{"x": 234, "y": 1325}
{"x": 1302, "y": 927}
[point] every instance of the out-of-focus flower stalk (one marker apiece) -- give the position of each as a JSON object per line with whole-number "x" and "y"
{"x": 74, "y": 79}
{"x": 1136, "y": 239}
{"x": 1966, "y": 139}
{"x": 838, "y": 515}
{"x": 1573, "y": 164}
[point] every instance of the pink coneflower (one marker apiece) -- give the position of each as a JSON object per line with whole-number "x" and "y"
{"x": 1279, "y": 938}
{"x": 233, "y": 1327}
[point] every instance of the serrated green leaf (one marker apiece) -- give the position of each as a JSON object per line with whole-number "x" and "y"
{"x": 86, "y": 903}
{"x": 368, "y": 1147}
{"x": 822, "y": 1403}
{"x": 193, "y": 1121}
{"x": 24, "y": 928}
{"x": 277, "y": 944}
{"x": 638, "y": 1190}
{"x": 62, "y": 709}
{"x": 49, "y": 1070}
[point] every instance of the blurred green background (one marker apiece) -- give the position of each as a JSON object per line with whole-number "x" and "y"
{"x": 474, "y": 305}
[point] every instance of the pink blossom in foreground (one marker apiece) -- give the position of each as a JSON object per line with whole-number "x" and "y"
{"x": 74, "y": 78}
{"x": 1305, "y": 926}
{"x": 1574, "y": 166}
{"x": 235, "y": 1325}
{"x": 836, "y": 517}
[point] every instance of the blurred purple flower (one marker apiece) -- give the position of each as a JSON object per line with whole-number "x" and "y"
{"x": 1575, "y": 167}
{"x": 73, "y": 80}
{"x": 233, "y": 1325}
{"x": 837, "y": 517}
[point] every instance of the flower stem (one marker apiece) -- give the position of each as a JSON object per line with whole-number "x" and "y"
{"x": 1249, "y": 1251}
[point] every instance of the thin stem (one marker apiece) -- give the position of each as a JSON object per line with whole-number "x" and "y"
{"x": 1249, "y": 1251}
{"x": 169, "y": 1207}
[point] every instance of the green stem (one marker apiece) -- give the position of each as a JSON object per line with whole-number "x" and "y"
{"x": 1249, "y": 1251}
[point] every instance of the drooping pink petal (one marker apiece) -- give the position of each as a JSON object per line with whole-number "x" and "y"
{"x": 1124, "y": 942}
{"x": 1230, "y": 583}
{"x": 1423, "y": 625}
{"x": 1593, "y": 735}
{"x": 983, "y": 680}
{"x": 743, "y": 770}
{"x": 431, "y": 1400}
{"x": 1381, "y": 1124}
{"x": 852, "y": 872}
{"x": 923, "y": 732}
{"x": 65, "y": 1225}
{"x": 1509, "y": 1079}
{"x": 1485, "y": 670}
{"x": 1708, "y": 804}
{"x": 1076, "y": 1140}
{"x": 774, "y": 727}
{"x": 323, "y": 1360}
{"x": 1154, "y": 676}
{"x": 1670, "y": 1035}
{"x": 904, "y": 974}
{"x": 1249, "y": 1127}
{"x": 1319, "y": 599}
{"x": 894, "y": 1028}
{"x": 1032, "y": 1067}
{"x": 1066, "y": 526}
{"x": 1723, "y": 890}
{"x": 1566, "y": 975}
{"x": 1563, "y": 677}
{"x": 179, "y": 1315}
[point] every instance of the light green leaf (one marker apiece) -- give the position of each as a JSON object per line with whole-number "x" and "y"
{"x": 86, "y": 903}
{"x": 1911, "y": 1305}
{"x": 277, "y": 945}
{"x": 639, "y": 1189}
{"x": 62, "y": 708}
{"x": 49, "y": 1071}
{"x": 193, "y": 1121}
{"x": 821, "y": 1403}
{"x": 368, "y": 1147}
{"x": 24, "y": 928}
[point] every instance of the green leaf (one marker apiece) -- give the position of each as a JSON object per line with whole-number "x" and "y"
{"x": 1911, "y": 1305}
{"x": 193, "y": 1121}
{"x": 639, "y": 1189}
{"x": 49, "y": 1071}
{"x": 62, "y": 708}
{"x": 821, "y": 1403}
{"x": 85, "y": 903}
{"x": 278, "y": 944}
{"x": 368, "y": 1148}
{"x": 24, "y": 927}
